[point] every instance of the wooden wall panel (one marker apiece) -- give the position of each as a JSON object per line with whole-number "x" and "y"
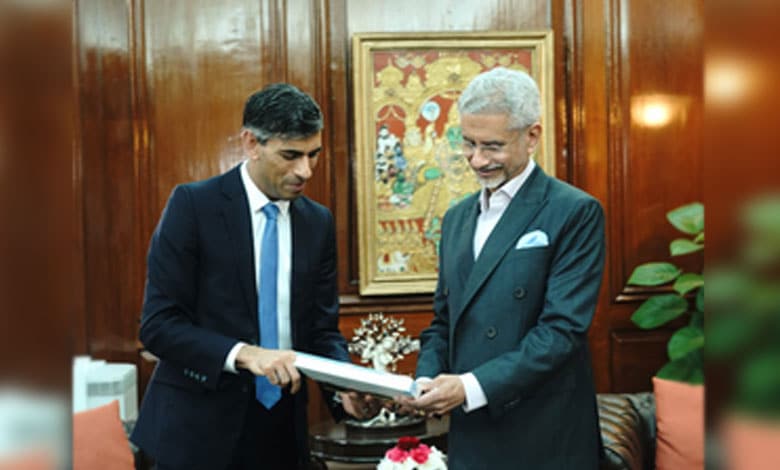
{"x": 636, "y": 356}
{"x": 654, "y": 105}
{"x": 202, "y": 63}
{"x": 654, "y": 100}
{"x": 112, "y": 259}
{"x": 586, "y": 75}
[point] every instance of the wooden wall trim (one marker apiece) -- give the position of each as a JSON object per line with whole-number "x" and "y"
{"x": 145, "y": 199}
{"x": 571, "y": 107}
{"x": 617, "y": 95}
{"x": 322, "y": 76}
{"x": 565, "y": 19}
{"x": 273, "y": 41}
{"x": 78, "y": 313}
{"x": 340, "y": 142}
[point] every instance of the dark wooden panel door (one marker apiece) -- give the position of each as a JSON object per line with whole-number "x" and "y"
{"x": 638, "y": 149}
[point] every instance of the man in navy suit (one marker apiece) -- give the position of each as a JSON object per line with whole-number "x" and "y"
{"x": 241, "y": 271}
{"x": 520, "y": 269}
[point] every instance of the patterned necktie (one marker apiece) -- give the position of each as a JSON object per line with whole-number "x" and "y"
{"x": 266, "y": 393}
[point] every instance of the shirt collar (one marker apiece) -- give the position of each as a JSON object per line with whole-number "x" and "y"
{"x": 257, "y": 200}
{"x": 507, "y": 190}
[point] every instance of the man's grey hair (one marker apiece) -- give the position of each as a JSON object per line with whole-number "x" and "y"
{"x": 503, "y": 91}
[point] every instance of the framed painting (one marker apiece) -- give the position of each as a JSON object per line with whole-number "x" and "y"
{"x": 409, "y": 165}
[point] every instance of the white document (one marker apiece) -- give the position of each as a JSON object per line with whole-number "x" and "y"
{"x": 348, "y": 376}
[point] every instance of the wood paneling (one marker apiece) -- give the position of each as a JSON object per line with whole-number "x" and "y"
{"x": 636, "y": 356}
{"x": 162, "y": 87}
{"x": 654, "y": 129}
{"x": 113, "y": 258}
{"x": 654, "y": 109}
{"x": 202, "y": 63}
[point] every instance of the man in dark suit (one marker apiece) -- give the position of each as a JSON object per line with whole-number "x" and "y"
{"x": 520, "y": 269}
{"x": 241, "y": 271}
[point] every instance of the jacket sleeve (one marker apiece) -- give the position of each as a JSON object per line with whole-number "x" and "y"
{"x": 168, "y": 329}
{"x": 325, "y": 337}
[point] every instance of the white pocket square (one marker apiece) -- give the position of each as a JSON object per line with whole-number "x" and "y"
{"x": 533, "y": 239}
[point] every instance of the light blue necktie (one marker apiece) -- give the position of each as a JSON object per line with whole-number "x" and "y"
{"x": 266, "y": 393}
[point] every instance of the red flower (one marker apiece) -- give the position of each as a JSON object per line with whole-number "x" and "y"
{"x": 408, "y": 442}
{"x": 420, "y": 453}
{"x": 397, "y": 455}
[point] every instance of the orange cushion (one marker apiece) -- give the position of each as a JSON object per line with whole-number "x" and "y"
{"x": 28, "y": 461}
{"x": 99, "y": 440}
{"x": 680, "y": 425}
{"x": 750, "y": 443}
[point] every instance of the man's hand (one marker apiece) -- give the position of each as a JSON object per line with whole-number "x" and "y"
{"x": 439, "y": 396}
{"x": 277, "y": 365}
{"x": 404, "y": 404}
{"x": 360, "y": 405}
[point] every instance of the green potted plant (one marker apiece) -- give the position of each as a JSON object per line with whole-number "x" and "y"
{"x": 678, "y": 385}
{"x": 685, "y": 345}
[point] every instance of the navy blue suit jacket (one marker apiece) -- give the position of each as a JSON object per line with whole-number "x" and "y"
{"x": 201, "y": 299}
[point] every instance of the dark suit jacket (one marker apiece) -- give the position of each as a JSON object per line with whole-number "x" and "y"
{"x": 201, "y": 298}
{"x": 518, "y": 319}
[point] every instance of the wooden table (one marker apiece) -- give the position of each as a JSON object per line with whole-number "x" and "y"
{"x": 342, "y": 443}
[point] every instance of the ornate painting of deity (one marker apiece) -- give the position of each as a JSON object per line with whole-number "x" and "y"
{"x": 408, "y": 158}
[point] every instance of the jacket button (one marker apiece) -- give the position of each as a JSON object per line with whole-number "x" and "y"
{"x": 519, "y": 293}
{"x": 491, "y": 332}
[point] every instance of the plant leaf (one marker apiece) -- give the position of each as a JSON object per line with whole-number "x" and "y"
{"x": 700, "y": 299}
{"x": 699, "y": 238}
{"x": 686, "y": 369}
{"x": 688, "y": 219}
{"x": 683, "y": 246}
{"x": 687, "y": 282}
{"x": 654, "y": 274}
{"x": 697, "y": 320}
{"x": 684, "y": 341}
{"x": 658, "y": 310}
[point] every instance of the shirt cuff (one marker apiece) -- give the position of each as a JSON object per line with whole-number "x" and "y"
{"x": 475, "y": 396}
{"x": 230, "y": 360}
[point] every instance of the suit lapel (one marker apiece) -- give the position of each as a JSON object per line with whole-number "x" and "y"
{"x": 299, "y": 259}
{"x": 235, "y": 213}
{"x": 515, "y": 220}
{"x": 464, "y": 247}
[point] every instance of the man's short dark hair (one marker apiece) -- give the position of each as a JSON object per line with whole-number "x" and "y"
{"x": 283, "y": 111}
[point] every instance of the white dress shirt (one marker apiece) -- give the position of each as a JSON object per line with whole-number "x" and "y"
{"x": 257, "y": 200}
{"x": 492, "y": 207}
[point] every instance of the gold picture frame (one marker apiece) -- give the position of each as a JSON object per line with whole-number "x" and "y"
{"x": 408, "y": 163}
